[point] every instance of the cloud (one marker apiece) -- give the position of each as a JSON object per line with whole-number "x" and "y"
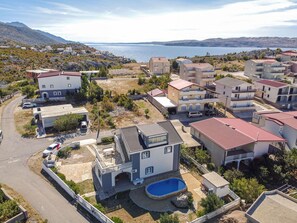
{"x": 61, "y": 9}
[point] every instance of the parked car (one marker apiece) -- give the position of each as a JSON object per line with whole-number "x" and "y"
{"x": 195, "y": 114}
{"x": 52, "y": 149}
{"x": 83, "y": 126}
{"x": 210, "y": 113}
{"x": 29, "y": 105}
{"x": 1, "y": 136}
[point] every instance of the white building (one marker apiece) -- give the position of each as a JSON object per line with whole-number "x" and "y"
{"x": 159, "y": 65}
{"x": 281, "y": 95}
{"x": 57, "y": 84}
{"x": 183, "y": 61}
{"x": 202, "y": 74}
{"x": 283, "y": 124}
{"x": 266, "y": 69}
{"x": 215, "y": 183}
{"x": 235, "y": 94}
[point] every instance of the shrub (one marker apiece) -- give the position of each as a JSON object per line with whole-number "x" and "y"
{"x": 2, "y": 196}
{"x": 72, "y": 185}
{"x": 200, "y": 213}
{"x": 166, "y": 218}
{"x": 28, "y": 90}
{"x": 64, "y": 153}
{"x": 231, "y": 175}
{"x": 117, "y": 220}
{"x": 202, "y": 156}
{"x": 8, "y": 209}
{"x": 211, "y": 166}
{"x": 107, "y": 140}
{"x": 100, "y": 207}
{"x": 190, "y": 200}
{"x": 211, "y": 203}
{"x": 68, "y": 122}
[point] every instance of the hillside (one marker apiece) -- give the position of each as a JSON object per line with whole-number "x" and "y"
{"x": 22, "y": 34}
{"x": 263, "y": 42}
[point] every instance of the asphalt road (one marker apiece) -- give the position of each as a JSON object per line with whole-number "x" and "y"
{"x": 14, "y": 171}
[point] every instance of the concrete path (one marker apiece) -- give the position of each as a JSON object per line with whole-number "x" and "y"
{"x": 14, "y": 171}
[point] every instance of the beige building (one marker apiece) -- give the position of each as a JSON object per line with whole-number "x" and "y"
{"x": 189, "y": 96}
{"x": 159, "y": 65}
{"x": 199, "y": 73}
{"x": 236, "y": 95}
{"x": 281, "y": 95}
{"x": 266, "y": 69}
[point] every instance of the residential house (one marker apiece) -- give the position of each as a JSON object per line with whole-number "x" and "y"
{"x": 47, "y": 115}
{"x": 139, "y": 152}
{"x": 231, "y": 140}
{"x": 286, "y": 56}
{"x": 266, "y": 69}
{"x": 216, "y": 184}
{"x": 57, "y": 84}
{"x": 33, "y": 74}
{"x": 281, "y": 95}
{"x": 236, "y": 95}
{"x": 202, "y": 74}
{"x": 188, "y": 96}
{"x": 273, "y": 206}
{"x": 283, "y": 124}
{"x": 159, "y": 65}
{"x": 183, "y": 61}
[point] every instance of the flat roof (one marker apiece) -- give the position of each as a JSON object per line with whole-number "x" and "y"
{"x": 215, "y": 179}
{"x": 231, "y": 82}
{"x": 59, "y": 110}
{"x": 151, "y": 129}
{"x": 198, "y": 65}
{"x": 273, "y": 206}
{"x": 135, "y": 143}
{"x": 181, "y": 84}
{"x": 155, "y": 92}
{"x": 230, "y": 133}
{"x": 165, "y": 102}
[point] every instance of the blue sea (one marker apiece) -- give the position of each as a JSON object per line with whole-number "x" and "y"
{"x": 143, "y": 52}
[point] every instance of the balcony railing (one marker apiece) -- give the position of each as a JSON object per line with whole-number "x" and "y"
{"x": 238, "y": 155}
{"x": 242, "y": 99}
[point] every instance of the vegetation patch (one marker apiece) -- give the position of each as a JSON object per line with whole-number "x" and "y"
{"x": 68, "y": 122}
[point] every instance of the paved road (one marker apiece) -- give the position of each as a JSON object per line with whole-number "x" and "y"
{"x": 14, "y": 171}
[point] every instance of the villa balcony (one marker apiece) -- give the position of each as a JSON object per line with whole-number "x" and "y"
{"x": 242, "y": 99}
{"x": 193, "y": 92}
{"x": 243, "y": 91}
{"x": 238, "y": 155}
{"x": 243, "y": 108}
{"x": 198, "y": 100}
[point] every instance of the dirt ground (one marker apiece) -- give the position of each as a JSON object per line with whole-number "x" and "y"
{"x": 82, "y": 155}
{"x": 33, "y": 216}
{"x": 119, "y": 85}
{"x": 129, "y": 118}
{"x": 21, "y": 118}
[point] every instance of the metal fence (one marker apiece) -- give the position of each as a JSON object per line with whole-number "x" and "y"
{"x": 78, "y": 199}
{"x": 5, "y": 98}
{"x": 200, "y": 167}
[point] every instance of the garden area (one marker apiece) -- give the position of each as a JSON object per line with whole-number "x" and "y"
{"x": 8, "y": 208}
{"x": 24, "y": 122}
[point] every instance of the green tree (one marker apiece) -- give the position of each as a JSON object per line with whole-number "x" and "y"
{"x": 166, "y": 218}
{"x": 146, "y": 112}
{"x": 2, "y": 196}
{"x": 231, "y": 175}
{"x": 202, "y": 156}
{"x": 117, "y": 220}
{"x": 28, "y": 90}
{"x": 107, "y": 105}
{"x": 174, "y": 65}
{"x": 247, "y": 189}
{"x": 290, "y": 159}
{"x": 68, "y": 122}
{"x": 211, "y": 203}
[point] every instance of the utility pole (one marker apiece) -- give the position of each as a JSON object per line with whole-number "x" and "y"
{"x": 98, "y": 130}
{"x": 226, "y": 106}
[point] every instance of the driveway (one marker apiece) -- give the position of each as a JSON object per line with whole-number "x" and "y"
{"x": 14, "y": 171}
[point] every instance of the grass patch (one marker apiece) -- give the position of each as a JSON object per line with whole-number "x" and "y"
{"x": 23, "y": 123}
{"x": 86, "y": 186}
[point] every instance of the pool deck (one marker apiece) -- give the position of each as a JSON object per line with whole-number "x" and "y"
{"x": 139, "y": 197}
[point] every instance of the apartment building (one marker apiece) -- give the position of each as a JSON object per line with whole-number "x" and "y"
{"x": 183, "y": 61}
{"x": 189, "y": 96}
{"x": 286, "y": 56}
{"x": 266, "y": 69}
{"x": 281, "y": 95}
{"x": 159, "y": 65}
{"x": 57, "y": 84}
{"x": 236, "y": 95}
{"x": 231, "y": 140}
{"x": 283, "y": 124}
{"x": 202, "y": 74}
{"x": 139, "y": 152}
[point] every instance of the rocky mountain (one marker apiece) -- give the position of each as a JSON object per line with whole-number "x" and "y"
{"x": 263, "y": 42}
{"x": 22, "y": 34}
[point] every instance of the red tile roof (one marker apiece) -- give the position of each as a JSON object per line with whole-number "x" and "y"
{"x": 155, "y": 92}
{"x": 230, "y": 133}
{"x": 284, "y": 118}
{"x": 58, "y": 73}
{"x": 265, "y": 61}
{"x": 180, "y": 84}
{"x": 272, "y": 83}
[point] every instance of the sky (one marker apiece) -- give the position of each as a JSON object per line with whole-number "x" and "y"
{"x": 154, "y": 20}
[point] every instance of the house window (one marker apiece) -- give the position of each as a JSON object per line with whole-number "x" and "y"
{"x": 268, "y": 96}
{"x": 224, "y": 93}
{"x": 57, "y": 93}
{"x": 43, "y": 86}
{"x": 68, "y": 78}
{"x": 168, "y": 149}
{"x": 149, "y": 170}
{"x": 145, "y": 155}
{"x": 296, "y": 142}
{"x": 69, "y": 85}
{"x": 157, "y": 139}
{"x": 51, "y": 86}
{"x": 269, "y": 89}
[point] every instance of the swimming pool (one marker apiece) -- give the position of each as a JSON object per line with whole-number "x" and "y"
{"x": 165, "y": 188}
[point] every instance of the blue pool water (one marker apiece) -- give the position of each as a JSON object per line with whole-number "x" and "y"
{"x": 166, "y": 187}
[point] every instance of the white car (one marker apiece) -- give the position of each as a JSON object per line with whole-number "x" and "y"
{"x": 52, "y": 149}
{"x": 29, "y": 105}
{"x": 195, "y": 114}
